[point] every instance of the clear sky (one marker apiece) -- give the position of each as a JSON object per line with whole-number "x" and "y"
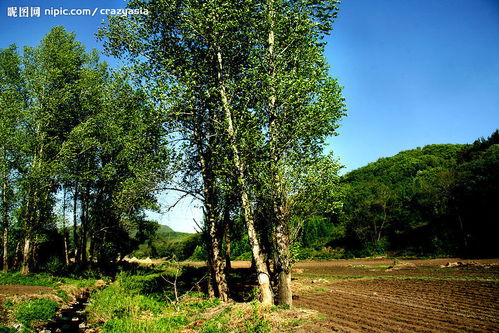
{"x": 414, "y": 72}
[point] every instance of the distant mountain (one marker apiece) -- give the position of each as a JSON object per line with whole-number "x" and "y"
{"x": 165, "y": 229}
{"x": 168, "y": 243}
{"x": 167, "y": 233}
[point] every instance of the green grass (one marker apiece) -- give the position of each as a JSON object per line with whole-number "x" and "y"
{"x": 35, "y": 312}
{"x": 139, "y": 303}
{"x": 7, "y": 329}
{"x": 163, "y": 324}
{"x": 42, "y": 280}
{"x": 31, "y": 311}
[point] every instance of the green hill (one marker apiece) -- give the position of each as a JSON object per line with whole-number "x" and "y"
{"x": 436, "y": 200}
{"x": 168, "y": 243}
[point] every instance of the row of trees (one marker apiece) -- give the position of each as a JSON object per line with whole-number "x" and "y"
{"x": 249, "y": 103}
{"x": 78, "y": 145}
{"x": 230, "y": 103}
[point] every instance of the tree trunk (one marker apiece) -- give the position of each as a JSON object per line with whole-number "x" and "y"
{"x": 28, "y": 231}
{"x": 26, "y": 254}
{"x": 5, "y": 241}
{"x": 75, "y": 223}
{"x": 84, "y": 227}
{"x": 261, "y": 267}
{"x": 282, "y": 240}
{"x": 5, "y": 234}
{"x": 64, "y": 229}
{"x": 227, "y": 239}
{"x": 91, "y": 247}
{"x": 16, "y": 255}
{"x": 218, "y": 280}
{"x": 211, "y": 290}
{"x": 218, "y": 263}
{"x": 283, "y": 265}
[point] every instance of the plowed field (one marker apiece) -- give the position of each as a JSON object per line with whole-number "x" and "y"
{"x": 413, "y": 297}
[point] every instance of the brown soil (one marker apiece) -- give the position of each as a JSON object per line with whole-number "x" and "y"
{"x": 483, "y": 269}
{"x": 20, "y": 290}
{"x": 7, "y": 290}
{"x": 412, "y": 296}
{"x": 386, "y": 295}
{"x": 398, "y": 305}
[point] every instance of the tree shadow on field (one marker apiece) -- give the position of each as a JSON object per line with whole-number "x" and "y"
{"x": 243, "y": 285}
{"x": 242, "y": 282}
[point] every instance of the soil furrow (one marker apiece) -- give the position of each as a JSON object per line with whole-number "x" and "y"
{"x": 408, "y": 313}
{"x": 443, "y": 313}
{"x": 381, "y": 316}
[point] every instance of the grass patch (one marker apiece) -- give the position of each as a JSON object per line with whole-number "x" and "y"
{"x": 36, "y": 312}
{"x": 141, "y": 303}
{"x": 41, "y": 280}
{"x": 44, "y": 280}
{"x": 38, "y": 306}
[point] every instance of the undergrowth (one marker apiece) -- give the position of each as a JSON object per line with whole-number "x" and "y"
{"x": 142, "y": 303}
{"x": 28, "y": 312}
{"x": 33, "y": 313}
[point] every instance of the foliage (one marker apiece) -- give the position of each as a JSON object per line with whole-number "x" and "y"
{"x": 436, "y": 200}
{"x": 133, "y": 304}
{"x": 79, "y": 139}
{"x": 247, "y": 92}
{"x": 36, "y": 312}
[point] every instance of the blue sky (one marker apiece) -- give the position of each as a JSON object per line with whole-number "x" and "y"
{"x": 414, "y": 72}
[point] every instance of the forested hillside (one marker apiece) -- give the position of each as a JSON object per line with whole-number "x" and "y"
{"x": 439, "y": 200}
{"x": 435, "y": 200}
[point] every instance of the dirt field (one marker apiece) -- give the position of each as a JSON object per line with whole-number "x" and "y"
{"x": 18, "y": 290}
{"x": 410, "y": 296}
{"x": 386, "y": 295}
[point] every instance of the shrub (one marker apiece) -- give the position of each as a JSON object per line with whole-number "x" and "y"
{"x": 54, "y": 266}
{"x": 199, "y": 254}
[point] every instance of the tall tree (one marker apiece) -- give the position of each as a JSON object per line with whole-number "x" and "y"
{"x": 52, "y": 70}
{"x": 12, "y": 133}
{"x": 175, "y": 41}
{"x": 299, "y": 105}
{"x": 262, "y": 105}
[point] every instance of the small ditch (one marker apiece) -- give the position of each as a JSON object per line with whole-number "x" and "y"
{"x": 71, "y": 319}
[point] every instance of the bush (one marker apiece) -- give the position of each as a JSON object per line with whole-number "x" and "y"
{"x": 245, "y": 256}
{"x": 326, "y": 253}
{"x": 54, "y": 266}
{"x": 199, "y": 254}
{"x": 36, "y": 312}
